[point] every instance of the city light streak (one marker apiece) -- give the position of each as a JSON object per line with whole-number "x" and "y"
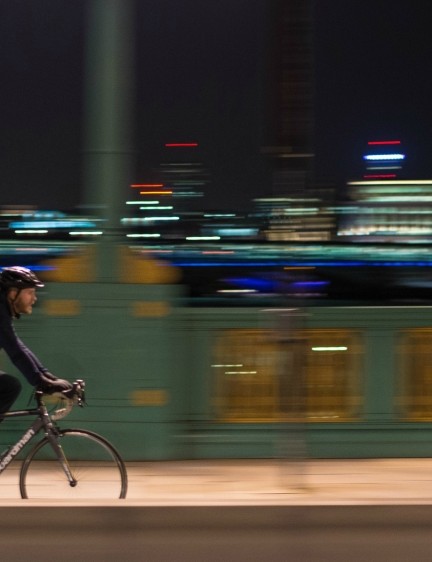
{"x": 181, "y": 144}
{"x": 147, "y": 185}
{"x": 384, "y": 142}
{"x": 168, "y": 192}
{"x": 383, "y": 157}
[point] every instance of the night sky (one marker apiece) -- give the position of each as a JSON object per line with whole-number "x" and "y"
{"x": 200, "y": 77}
{"x": 374, "y": 82}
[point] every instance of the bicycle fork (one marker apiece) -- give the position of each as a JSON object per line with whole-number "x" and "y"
{"x": 53, "y": 435}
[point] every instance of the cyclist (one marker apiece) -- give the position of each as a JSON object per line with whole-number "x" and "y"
{"x": 17, "y": 296}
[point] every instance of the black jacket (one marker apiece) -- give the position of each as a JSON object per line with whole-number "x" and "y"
{"x": 23, "y": 359}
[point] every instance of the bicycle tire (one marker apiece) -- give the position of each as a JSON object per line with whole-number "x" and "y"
{"x": 97, "y": 467}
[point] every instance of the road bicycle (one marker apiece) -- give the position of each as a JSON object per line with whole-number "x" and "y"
{"x": 66, "y": 463}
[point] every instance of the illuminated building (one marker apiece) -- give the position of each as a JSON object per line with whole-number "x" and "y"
{"x": 163, "y": 206}
{"x": 169, "y": 207}
{"x": 383, "y": 207}
{"x": 28, "y": 222}
{"x": 183, "y": 172}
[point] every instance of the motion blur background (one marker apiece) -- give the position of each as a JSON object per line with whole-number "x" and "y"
{"x": 230, "y": 204}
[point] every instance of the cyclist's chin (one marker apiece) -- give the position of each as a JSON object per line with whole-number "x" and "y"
{"x": 27, "y": 310}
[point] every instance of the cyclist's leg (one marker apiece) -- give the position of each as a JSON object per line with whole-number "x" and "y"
{"x": 10, "y": 388}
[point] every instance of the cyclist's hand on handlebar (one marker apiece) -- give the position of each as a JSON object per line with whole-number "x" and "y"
{"x": 49, "y": 384}
{"x": 48, "y": 375}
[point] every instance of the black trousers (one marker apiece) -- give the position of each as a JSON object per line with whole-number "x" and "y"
{"x": 10, "y": 388}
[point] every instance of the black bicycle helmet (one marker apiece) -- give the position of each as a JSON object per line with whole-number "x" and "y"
{"x": 18, "y": 277}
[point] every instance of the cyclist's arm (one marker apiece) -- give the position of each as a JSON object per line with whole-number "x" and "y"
{"x": 23, "y": 359}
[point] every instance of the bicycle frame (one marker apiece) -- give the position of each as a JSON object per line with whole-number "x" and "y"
{"x": 43, "y": 420}
{"x": 53, "y": 448}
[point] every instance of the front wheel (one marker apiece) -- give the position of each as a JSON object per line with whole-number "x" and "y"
{"x": 97, "y": 469}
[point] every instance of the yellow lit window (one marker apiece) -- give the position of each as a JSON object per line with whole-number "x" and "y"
{"x": 315, "y": 376}
{"x": 334, "y": 375}
{"x": 415, "y": 360}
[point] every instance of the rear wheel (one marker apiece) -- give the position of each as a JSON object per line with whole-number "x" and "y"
{"x": 97, "y": 469}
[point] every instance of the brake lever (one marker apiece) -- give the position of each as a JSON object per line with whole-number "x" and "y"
{"x": 79, "y": 386}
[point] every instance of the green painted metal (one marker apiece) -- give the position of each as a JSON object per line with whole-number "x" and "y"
{"x": 149, "y": 383}
{"x": 117, "y": 353}
{"x": 109, "y": 103}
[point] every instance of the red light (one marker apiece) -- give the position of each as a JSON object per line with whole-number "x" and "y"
{"x": 180, "y": 144}
{"x": 147, "y": 185}
{"x": 379, "y": 176}
{"x": 384, "y": 142}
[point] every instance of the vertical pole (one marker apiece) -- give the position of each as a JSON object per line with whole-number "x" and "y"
{"x": 108, "y": 139}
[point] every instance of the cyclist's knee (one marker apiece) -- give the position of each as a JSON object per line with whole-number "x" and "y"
{"x": 8, "y": 382}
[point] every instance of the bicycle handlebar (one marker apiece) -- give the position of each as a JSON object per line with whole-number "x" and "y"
{"x": 76, "y": 394}
{"x": 69, "y": 399}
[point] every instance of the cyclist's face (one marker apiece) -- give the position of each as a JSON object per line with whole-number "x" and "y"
{"x": 24, "y": 300}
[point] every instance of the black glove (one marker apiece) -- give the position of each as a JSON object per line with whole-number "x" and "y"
{"x": 49, "y": 384}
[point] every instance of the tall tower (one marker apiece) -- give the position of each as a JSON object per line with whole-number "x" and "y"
{"x": 289, "y": 88}
{"x": 297, "y": 210}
